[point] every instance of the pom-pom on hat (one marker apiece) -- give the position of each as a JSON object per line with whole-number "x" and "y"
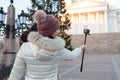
{"x": 46, "y": 24}
{"x": 39, "y": 16}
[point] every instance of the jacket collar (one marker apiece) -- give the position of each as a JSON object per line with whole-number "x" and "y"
{"x": 45, "y": 42}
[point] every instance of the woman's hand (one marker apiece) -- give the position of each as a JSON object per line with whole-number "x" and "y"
{"x": 83, "y": 47}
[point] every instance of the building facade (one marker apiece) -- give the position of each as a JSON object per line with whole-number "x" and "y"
{"x": 100, "y": 16}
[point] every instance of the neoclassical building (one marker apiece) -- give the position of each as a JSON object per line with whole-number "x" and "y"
{"x": 100, "y": 16}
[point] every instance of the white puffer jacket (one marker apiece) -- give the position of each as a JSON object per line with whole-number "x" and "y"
{"x": 40, "y": 58}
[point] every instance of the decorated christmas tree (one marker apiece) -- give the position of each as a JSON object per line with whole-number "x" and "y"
{"x": 56, "y": 8}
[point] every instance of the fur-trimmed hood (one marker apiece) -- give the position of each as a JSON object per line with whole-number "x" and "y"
{"x": 45, "y": 44}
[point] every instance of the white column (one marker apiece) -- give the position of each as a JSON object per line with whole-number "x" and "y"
{"x": 118, "y": 20}
{"x": 80, "y": 24}
{"x": 97, "y": 21}
{"x": 116, "y": 25}
{"x": 88, "y": 20}
{"x": 89, "y": 23}
{"x": 73, "y": 25}
{"x": 105, "y": 21}
{"x": 76, "y": 21}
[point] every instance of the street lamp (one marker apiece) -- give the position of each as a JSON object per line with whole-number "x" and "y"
{"x": 2, "y": 19}
{"x": 21, "y": 22}
{"x": 22, "y": 18}
{"x": 2, "y": 15}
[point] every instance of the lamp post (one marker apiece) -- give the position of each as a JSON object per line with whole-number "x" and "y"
{"x": 22, "y": 18}
{"x": 21, "y": 24}
{"x": 9, "y": 30}
{"x": 2, "y": 15}
{"x": 2, "y": 19}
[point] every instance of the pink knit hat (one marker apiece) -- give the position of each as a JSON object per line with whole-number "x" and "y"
{"x": 46, "y": 24}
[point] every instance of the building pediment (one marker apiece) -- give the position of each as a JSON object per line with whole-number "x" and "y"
{"x": 85, "y": 4}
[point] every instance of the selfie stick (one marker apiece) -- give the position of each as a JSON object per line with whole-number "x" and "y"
{"x": 86, "y": 31}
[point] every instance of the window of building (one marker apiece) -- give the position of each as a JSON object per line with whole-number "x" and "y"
{"x": 74, "y": 1}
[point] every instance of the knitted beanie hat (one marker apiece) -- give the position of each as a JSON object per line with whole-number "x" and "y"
{"x": 46, "y": 24}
